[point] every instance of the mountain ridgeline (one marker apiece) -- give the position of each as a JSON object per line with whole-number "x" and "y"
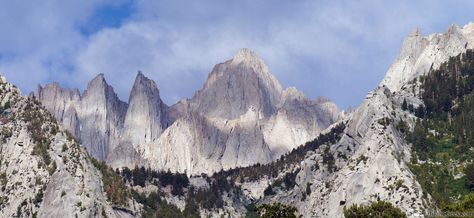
{"x": 241, "y": 117}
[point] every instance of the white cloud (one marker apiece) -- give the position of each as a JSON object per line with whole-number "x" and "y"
{"x": 39, "y": 41}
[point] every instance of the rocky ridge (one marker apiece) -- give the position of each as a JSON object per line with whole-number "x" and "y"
{"x": 421, "y": 53}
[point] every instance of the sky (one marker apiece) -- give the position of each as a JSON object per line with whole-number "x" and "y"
{"x": 338, "y": 49}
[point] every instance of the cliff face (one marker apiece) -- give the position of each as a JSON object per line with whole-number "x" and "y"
{"x": 240, "y": 117}
{"x": 101, "y": 115}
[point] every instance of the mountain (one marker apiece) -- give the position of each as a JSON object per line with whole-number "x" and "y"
{"x": 239, "y": 118}
{"x": 44, "y": 172}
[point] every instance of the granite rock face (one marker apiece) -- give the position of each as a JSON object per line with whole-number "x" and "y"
{"x": 146, "y": 118}
{"x": 240, "y": 117}
{"x": 96, "y": 117}
{"x": 237, "y": 85}
{"x": 101, "y": 109}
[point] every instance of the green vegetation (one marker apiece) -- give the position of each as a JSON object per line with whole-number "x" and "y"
{"x": 205, "y": 198}
{"x": 328, "y": 159}
{"x": 52, "y": 168}
{"x": 140, "y": 176}
{"x": 377, "y": 209}
{"x": 287, "y": 182}
{"x": 40, "y": 133}
{"x": 276, "y": 210}
{"x": 307, "y": 192}
{"x": 251, "y": 211}
{"x": 469, "y": 170}
{"x": 443, "y": 138}
{"x": 155, "y": 206}
{"x": 308, "y": 189}
{"x": 466, "y": 205}
{"x": 3, "y": 180}
{"x": 39, "y": 196}
{"x": 114, "y": 186}
{"x": 6, "y": 133}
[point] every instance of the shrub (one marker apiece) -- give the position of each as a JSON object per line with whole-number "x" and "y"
{"x": 276, "y": 210}
{"x": 328, "y": 159}
{"x": 465, "y": 205}
{"x": 469, "y": 171}
{"x": 52, "y": 168}
{"x": 114, "y": 186}
{"x": 308, "y": 189}
{"x": 3, "y": 180}
{"x": 376, "y": 209}
{"x": 268, "y": 191}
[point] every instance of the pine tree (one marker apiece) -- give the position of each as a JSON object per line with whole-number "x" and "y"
{"x": 404, "y": 105}
{"x": 469, "y": 171}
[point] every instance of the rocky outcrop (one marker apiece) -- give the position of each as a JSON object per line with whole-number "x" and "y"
{"x": 144, "y": 122}
{"x": 43, "y": 171}
{"x": 298, "y": 120}
{"x": 420, "y": 53}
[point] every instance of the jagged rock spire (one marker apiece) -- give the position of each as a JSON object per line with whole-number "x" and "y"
{"x": 146, "y": 113}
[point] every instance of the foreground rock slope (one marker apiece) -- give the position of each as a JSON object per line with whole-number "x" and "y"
{"x": 44, "y": 172}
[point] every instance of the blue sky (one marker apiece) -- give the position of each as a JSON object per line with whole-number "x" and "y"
{"x": 338, "y": 49}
